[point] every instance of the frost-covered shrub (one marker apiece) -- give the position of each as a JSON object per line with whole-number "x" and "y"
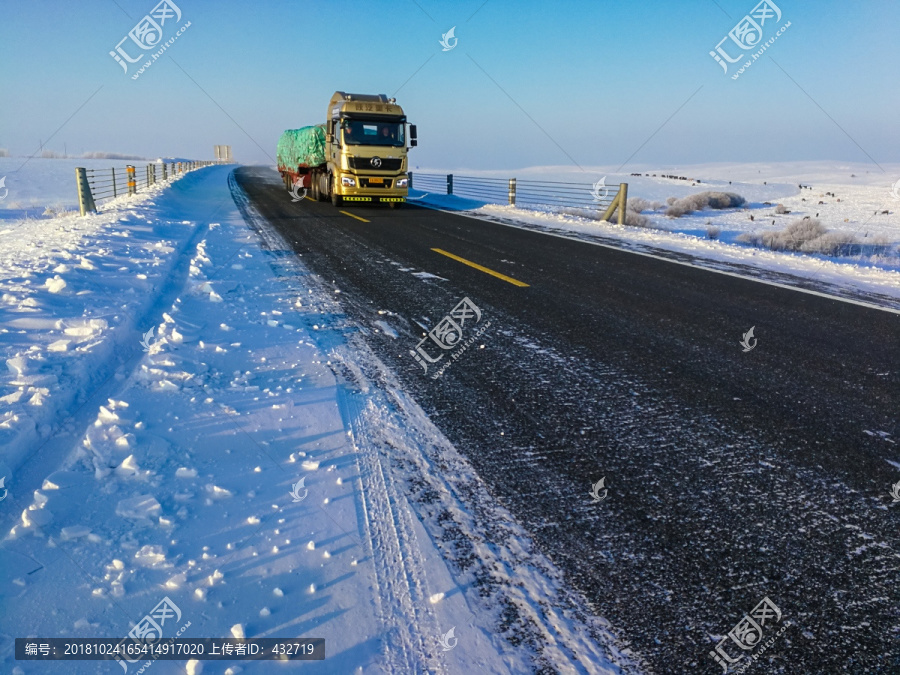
{"x": 779, "y": 209}
{"x": 724, "y": 200}
{"x": 806, "y": 235}
{"x": 678, "y": 209}
{"x": 631, "y": 217}
{"x": 702, "y": 200}
{"x": 4, "y": 152}
{"x": 831, "y": 243}
{"x": 638, "y": 204}
{"x": 713, "y": 232}
{"x": 636, "y": 219}
{"x": 802, "y": 231}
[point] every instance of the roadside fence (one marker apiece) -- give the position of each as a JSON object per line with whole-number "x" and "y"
{"x": 97, "y": 184}
{"x": 511, "y": 191}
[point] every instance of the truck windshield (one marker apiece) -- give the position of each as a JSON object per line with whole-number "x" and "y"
{"x": 362, "y": 132}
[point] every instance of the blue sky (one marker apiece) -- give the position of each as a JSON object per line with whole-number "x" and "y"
{"x": 592, "y": 83}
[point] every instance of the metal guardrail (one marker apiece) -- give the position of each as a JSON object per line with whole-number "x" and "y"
{"x": 96, "y": 184}
{"x": 526, "y": 192}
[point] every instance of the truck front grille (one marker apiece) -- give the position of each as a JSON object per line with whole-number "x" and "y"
{"x": 386, "y": 163}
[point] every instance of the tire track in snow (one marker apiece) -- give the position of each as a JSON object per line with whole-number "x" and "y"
{"x": 400, "y": 600}
{"x": 398, "y": 564}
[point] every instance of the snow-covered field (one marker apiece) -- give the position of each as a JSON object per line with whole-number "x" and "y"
{"x": 862, "y": 189}
{"x": 858, "y": 196}
{"x": 38, "y": 184}
{"x": 183, "y": 417}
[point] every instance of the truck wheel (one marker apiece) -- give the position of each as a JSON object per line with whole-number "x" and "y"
{"x": 335, "y": 197}
{"x": 314, "y": 187}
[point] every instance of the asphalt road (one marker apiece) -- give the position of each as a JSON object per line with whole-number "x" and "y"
{"x": 731, "y": 475}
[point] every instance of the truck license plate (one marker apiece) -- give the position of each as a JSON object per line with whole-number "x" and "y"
{"x": 376, "y": 180}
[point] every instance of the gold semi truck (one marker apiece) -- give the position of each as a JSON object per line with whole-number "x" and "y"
{"x": 358, "y": 155}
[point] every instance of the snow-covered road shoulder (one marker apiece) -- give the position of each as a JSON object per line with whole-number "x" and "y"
{"x": 239, "y": 460}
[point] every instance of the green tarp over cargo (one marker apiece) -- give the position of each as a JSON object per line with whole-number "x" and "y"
{"x": 302, "y": 147}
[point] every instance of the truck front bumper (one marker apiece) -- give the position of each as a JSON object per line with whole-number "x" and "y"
{"x": 364, "y": 192}
{"x": 373, "y": 198}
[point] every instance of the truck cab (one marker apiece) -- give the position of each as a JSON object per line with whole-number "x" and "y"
{"x": 366, "y": 143}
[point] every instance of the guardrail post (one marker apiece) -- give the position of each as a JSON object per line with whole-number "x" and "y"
{"x": 115, "y": 194}
{"x": 85, "y": 197}
{"x": 449, "y": 183}
{"x": 132, "y": 186}
{"x": 165, "y": 173}
{"x": 512, "y": 191}
{"x": 620, "y": 201}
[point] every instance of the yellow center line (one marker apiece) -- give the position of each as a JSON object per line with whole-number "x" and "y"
{"x": 514, "y": 282}
{"x": 310, "y": 198}
{"x": 352, "y": 216}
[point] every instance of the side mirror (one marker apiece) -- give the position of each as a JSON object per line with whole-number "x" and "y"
{"x": 413, "y": 141}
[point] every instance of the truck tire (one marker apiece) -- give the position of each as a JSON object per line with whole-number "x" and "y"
{"x": 314, "y": 187}
{"x": 335, "y": 197}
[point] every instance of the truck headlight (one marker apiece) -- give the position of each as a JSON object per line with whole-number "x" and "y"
{"x": 403, "y": 182}
{"x": 347, "y": 181}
